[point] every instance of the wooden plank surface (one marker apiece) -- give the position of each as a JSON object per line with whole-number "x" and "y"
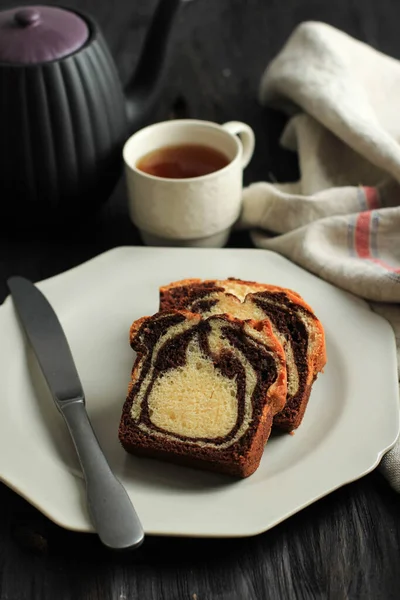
{"x": 347, "y": 545}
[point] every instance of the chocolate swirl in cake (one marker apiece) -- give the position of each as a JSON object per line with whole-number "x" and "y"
{"x": 232, "y": 365}
{"x": 204, "y": 390}
{"x": 291, "y": 321}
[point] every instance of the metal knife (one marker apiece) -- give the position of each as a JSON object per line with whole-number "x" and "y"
{"x": 110, "y": 508}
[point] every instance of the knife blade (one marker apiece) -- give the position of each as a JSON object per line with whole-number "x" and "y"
{"x": 110, "y": 507}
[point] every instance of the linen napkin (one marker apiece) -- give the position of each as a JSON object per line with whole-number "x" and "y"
{"x": 341, "y": 220}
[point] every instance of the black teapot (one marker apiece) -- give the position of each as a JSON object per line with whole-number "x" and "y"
{"x": 63, "y": 113}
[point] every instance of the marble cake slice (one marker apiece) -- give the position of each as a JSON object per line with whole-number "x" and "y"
{"x": 203, "y": 391}
{"x": 293, "y": 322}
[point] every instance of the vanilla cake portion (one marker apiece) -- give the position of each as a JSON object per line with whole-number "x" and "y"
{"x": 292, "y": 320}
{"x": 203, "y": 390}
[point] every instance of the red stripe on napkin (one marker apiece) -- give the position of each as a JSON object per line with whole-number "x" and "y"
{"x": 362, "y": 241}
{"x": 361, "y": 238}
{"x": 372, "y": 197}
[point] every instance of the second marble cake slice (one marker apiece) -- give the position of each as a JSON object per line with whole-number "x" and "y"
{"x": 203, "y": 391}
{"x": 292, "y": 319}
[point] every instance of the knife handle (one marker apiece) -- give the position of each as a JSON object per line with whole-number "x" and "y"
{"x": 110, "y": 508}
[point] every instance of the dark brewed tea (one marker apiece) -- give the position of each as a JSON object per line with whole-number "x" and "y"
{"x": 183, "y": 161}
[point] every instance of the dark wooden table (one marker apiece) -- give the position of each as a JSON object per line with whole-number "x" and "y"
{"x": 346, "y": 546}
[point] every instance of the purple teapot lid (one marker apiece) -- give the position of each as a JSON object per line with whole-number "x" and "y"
{"x": 38, "y": 34}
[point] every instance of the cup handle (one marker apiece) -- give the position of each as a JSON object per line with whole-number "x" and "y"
{"x": 246, "y": 136}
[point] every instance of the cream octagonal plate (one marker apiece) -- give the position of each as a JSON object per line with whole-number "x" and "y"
{"x": 351, "y": 420}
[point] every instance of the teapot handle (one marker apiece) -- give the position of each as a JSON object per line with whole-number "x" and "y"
{"x": 144, "y": 84}
{"x": 246, "y": 136}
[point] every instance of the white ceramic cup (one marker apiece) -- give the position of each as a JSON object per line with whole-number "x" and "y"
{"x": 198, "y": 211}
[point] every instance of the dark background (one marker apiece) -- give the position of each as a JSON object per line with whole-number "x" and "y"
{"x": 347, "y": 545}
